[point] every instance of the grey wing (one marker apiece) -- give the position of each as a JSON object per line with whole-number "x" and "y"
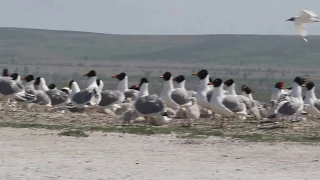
{"x": 82, "y": 97}
{"x": 57, "y": 96}
{"x": 110, "y": 97}
{"x": 290, "y": 107}
{"x": 131, "y": 93}
{"x": 317, "y": 104}
{"x": 8, "y": 86}
{"x": 149, "y": 105}
{"x": 233, "y": 103}
{"x": 180, "y": 96}
{"x": 209, "y": 95}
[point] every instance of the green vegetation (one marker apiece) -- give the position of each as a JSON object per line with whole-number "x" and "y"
{"x": 180, "y": 132}
{"x": 30, "y": 44}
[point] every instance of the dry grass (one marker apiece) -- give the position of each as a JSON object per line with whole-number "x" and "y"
{"x": 75, "y": 124}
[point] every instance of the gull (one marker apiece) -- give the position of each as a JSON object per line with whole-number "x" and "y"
{"x": 203, "y": 89}
{"x": 225, "y": 105}
{"x": 292, "y": 104}
{"x": 181, "y": 82}
{"x": 251, "y": 105}
{"x": 123, "y": 86}
{"x": 81, "y": 98}
{"x": 311, "y": 103}
{"x": 193, "y": 111}
{"x": 174, "y": 98}
{"x": 306, "y": 16}
{"x": 150, "y": 105}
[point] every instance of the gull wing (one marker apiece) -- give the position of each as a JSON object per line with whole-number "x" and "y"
{"x": 302, "y": 31}
{"x": 308, "y": 14}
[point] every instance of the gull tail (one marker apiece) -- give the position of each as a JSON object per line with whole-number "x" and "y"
{"x": 305, "y": 39}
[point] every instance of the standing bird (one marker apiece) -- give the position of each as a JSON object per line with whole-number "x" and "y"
{"x": 193, "y": 111}
{"x": 311, "y": 103}
{"x": 306, "y": 16}
{"x": 123, "y": 86}
{"x": 181, "y": 81}
{"x": 203, "y": 89}
{"x": 174, "y": 98}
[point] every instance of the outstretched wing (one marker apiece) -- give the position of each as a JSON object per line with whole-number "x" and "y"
{"x": 308, "y": 14}
{"x": 302, "y": 31}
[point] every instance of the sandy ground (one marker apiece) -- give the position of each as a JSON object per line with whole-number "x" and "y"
{"x": 42, "y": 154}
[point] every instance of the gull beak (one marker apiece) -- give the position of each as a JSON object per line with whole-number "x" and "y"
{"x": 85, "y": 75}
{"x": 115, "y": 76}
{"x": 161, "y": 77}
{"x": 23, "y": 79}
{"x": 253, "y": 91}
{"x": 195, "y": 74}
{"x": 303, "y": 85}
{"x": 210, "y": 83}
{"x": 174, "y": 79}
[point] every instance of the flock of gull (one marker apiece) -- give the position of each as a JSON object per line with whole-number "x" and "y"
{"x": 214, "y": 98}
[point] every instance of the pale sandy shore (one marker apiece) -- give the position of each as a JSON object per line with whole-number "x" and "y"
{"x": 41, "y": 154}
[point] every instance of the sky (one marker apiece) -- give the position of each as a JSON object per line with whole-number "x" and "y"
{"x": 177, "y": 17}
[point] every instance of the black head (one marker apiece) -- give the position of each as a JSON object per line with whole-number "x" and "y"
{"x": 65, "y": 91}
{"x": 98, "y": 82}
{"x": 201, "y": 74}
{"x": 229, "y": 82}
{"x": 301, "y": 80}
{"x": 70, "y": 83}
{"x": 279, "y": 85}
{"x": 37, "y": 81}
{"x": 14, "y": 76}
{"x": 120, "y": 76}
{"x": 217, "y": 82}
{"x": 5, "y": 72}
{"x": 309, "y": 85}
{"x": 52, "y": 86}
{"x": 248, "y": 90}
{"x": 91, "y": 73}
{"x": 143, "y": 80}
{"x": 291, "y": 19}
{"x": 28, "y": 78}
{"x": 179, "y": 78}
{"x": 166, "y": 76}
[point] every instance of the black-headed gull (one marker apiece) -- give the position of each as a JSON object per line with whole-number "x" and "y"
{"x": 306, "y": 16}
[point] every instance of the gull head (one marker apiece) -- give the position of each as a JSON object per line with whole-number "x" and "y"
{"x": 291, "y": 19}
{"x": 120, "y": 76}
{"x": 166, "y": 76}
{"x": 309, "y": 86}
{"x": 201, "y": 74}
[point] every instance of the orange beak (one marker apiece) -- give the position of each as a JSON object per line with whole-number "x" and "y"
{"x": 195, "y": 74}
{"x": 210, "y": 83}
{"x": 115, "y": 76}
{"x": 23, "y": 79}
{"x": 85, "y": 75}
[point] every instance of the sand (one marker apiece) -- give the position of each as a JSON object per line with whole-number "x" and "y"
{"x": 42, "y": 154}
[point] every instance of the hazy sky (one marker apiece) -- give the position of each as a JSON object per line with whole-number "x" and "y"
{"x": 158, "y": 16}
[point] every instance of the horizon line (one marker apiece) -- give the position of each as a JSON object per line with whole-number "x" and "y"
{"x": 92, "y": 32}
